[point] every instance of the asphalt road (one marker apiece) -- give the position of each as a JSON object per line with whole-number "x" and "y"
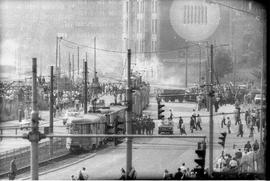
{"x": 152, "y": 155}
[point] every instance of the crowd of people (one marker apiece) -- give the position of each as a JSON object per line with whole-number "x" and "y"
{"x": 143, "y": 125}
{"x": 182, "y": 173}
{"x": 241, "y": 160}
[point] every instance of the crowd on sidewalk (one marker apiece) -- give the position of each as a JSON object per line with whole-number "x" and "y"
{"x": 245, "y": 160}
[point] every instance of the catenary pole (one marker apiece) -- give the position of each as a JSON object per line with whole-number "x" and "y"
{"x": 73, "y": 68}
{"x": 56, "y": 52}
{"x": 95, "y": 71}
{"x": 262, "y": 82}
{"x": 200, "y": 66}
{"x": 85, "y": 87}
{"x": 186, "y": 67}
{"x": 51, "y": 113}
{"x": 78, "y": 60}
{"x": 34, "y": 137}
{"x": 128, "y": 116}
{"x": 69, "y": 67}
{"x": 211, "y": 125}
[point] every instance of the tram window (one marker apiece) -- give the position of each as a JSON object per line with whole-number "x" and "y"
{"x": 84, "y": 128}
{"x": 75, "y": 129}
{"x": 90, "y": 129}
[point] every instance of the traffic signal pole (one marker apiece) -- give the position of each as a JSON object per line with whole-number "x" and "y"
{"x": 211, "y": 125}
{"x": 128, "y": 116}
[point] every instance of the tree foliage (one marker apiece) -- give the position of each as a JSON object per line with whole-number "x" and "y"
{"x": 223, "y": 63}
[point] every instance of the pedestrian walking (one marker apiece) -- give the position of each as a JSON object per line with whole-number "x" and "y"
{"x": 240, "y": 130}
{"x": 251, "y": 134}
{"x": 199, "y": 121}
{"x": 183, "y": 130}
{"x": 248, "y": 146}
{"x": 223, "y": 121}
{"x": 255, "y": 146}
{"x": 13, "y": 169}
{"x": 180, "y": 122}
{"x": 258, "y": 124}
{"x": 237, "y": 115}
{"x": 192, "y": 123}
{"x": 246, "y": 116}
{"x": 229, "y": 125}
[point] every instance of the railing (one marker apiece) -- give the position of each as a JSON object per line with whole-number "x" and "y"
{"x": 23, "y": 154}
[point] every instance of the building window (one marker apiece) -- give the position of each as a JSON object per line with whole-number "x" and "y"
{"x": 153, "y": 46}
{"x": 138, "y": 28}
{"x": 127, "y": 7}
{"x": 154, "y": 6}
{"x": 154, "y": 26}
{"x": 195, "y": 14}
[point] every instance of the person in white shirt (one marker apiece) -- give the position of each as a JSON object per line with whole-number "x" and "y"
{"x": 233, "y": 163}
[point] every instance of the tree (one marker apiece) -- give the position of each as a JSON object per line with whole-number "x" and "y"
{"x": 223, "y": 63}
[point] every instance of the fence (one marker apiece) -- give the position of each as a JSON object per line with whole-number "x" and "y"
{"x": 23, "y": 154}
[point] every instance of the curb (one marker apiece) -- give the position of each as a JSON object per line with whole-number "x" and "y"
{"x": 64, "y": 166}
{"x": 40, "y": 163}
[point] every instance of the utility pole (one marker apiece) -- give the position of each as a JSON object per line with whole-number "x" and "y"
{"x": 69, "y": 67}
{"x": 86, "y": 56}
{"x": 128, "y": 116}
{"x": 211, "y": 124}
{"x": 56, "y": 52}
{"x": 51, "y": 113}
{"x": 200, "y": 66}
{"x": 95, "y": 71}
{"x": 73, "y": 68}
{"x": 85, "y": 87}
{"x": 34, "y": 134}
{"x": 78, "y": 49}
{"x": 59, "y": 60}
{"x": 186, "y": 52}
{"x": 262, "y": 83}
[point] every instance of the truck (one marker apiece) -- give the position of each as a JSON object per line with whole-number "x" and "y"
{"x": 172, "y": 95}
{"x": 178, "y": 94}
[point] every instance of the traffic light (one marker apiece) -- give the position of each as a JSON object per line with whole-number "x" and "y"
{"x": 119, "y": 128}
{"x": 160, "y": 110}
{"x": 201, "y": 150}
{"x": 222, "y": 138}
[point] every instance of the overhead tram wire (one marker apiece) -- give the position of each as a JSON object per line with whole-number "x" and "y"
{"x": 124, "y": 52}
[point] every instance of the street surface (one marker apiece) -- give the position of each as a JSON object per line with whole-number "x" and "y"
{"x": 151, "y": 156}
{"x": 10, "y": 144}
